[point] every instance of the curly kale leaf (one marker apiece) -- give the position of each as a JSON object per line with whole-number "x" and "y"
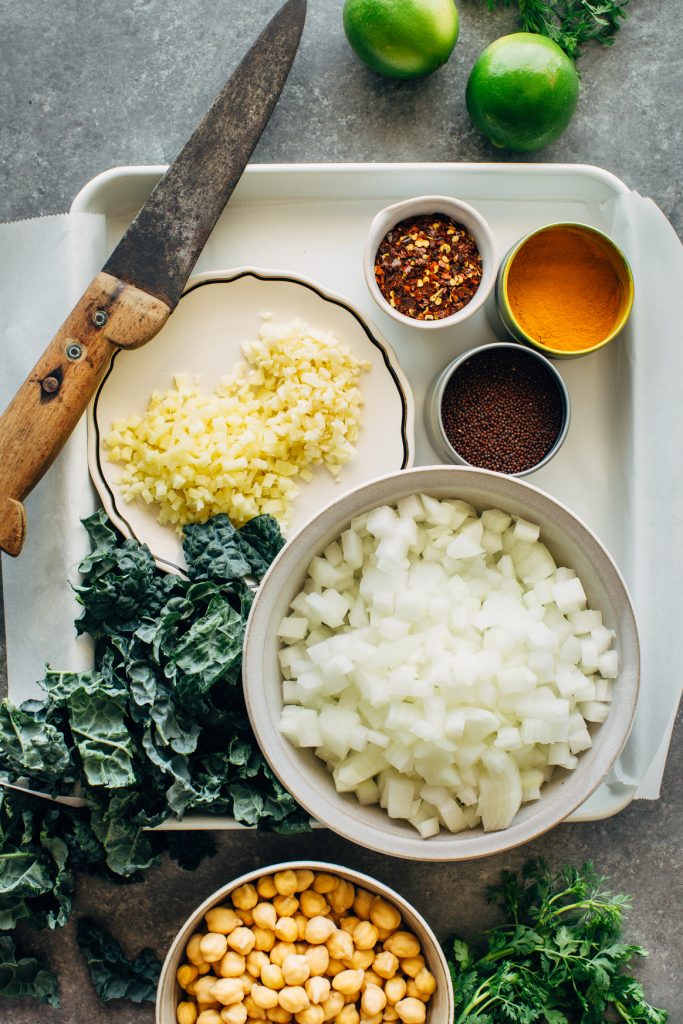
{"x": 113, "y": 975}
{"x": 32, "y": 744}
{"x": 25, "y": 977}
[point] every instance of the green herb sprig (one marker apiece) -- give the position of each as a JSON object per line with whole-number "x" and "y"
{"x": 570, "y": 23}
{"x": 558, "y": 959}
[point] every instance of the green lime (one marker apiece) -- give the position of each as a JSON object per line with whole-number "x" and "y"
{"x": 522, "y": 91}
{"x": 402, "y": 38}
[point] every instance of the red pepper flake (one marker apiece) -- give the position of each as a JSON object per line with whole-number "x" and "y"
{"x": 428, "y": 267}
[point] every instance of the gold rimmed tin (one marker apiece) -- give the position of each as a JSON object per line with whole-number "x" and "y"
{"x": 512, "y": 314}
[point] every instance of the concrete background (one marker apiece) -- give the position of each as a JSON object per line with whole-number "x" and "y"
{"x": 84, "y": 87}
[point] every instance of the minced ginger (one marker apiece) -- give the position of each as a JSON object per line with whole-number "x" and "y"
{"x": 294, "y": 404}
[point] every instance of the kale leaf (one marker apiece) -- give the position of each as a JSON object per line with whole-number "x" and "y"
{"x": 25, "y": 976}
{"x": 216, "y": 550}
{"x": 111, "y": 972}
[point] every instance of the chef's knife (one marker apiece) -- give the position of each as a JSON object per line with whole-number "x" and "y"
{"x": 140, "y": 284}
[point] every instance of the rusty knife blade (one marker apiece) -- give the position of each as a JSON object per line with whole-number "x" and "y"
{"x": 162, "y": 245}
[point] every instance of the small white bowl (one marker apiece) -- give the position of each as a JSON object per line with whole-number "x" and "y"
{"x": 461, "y": 213}
{"x": 440, "y": 1008}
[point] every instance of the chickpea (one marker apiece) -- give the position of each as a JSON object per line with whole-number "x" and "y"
{"x": 293, "y": 999}
{"x": 324, "y": 883}
{"x": 280, "y": 950}
{"x": 362, "y": 904}
{"x": 340, "y": 945}
{"x": 203, "y": 968}
{"x": 203, "y": 990}
{"x": 235, "y": 1014}
{"x": 389, "y": 1013}
{"x": 264, "y": 915}
{"x": 349, "y": 924}
{"x": 246, "y": 917}
{"x": 412, "y": 991}
{"x": 348, "y": 982}
{"x": 334, "y": 967}
{"x": 318, "y": 989}
{"x": 286, "y": 929}
{"x": 266, "y": 887}
{"x": 370, "y": 978}
{"x": 341, "y": 898}
{"x": 253, "y": 1011}
{"x": 264, "y": 939}
{"x": 285, "y": 882}
{"x": 375, "y": 1019}
{"x": 360, "y": 959}
{"x": 373, "y": 1000}
{"x": 213, "y": 947}
{"x": 318, "y": 960}
{"x": 264, "y": 997}
{"x": 300, "y": 920}
{"x": 384, "y": 914}
{"x": 242, "y": 940}
{"x": 279, "y": 1015}
{"x": 247, "y": 982}
{"x": 313, "y": 1015}
{"x": 364, "y": 935}
{"x": 186, "y": 974}
{"x": 333, "y": 1005}
{"x": 385, "y": 964}
{"x": 313, "y": 904}
{"x": 209, "y": 1016}
{"x": 319, "y": 929}
{"x": 192, "y": 949}
{"x": 412, "y": 965}
{"x": 425, "y": 982}
{"x": 295, "y": 969}
{"x": 348, "y": 1015}
{"x": 403, "y": 945}
{"x": 222, "y": 919}
{"x": 228, "y": 991}
{"x": 244, "y": 897}
{"x": 233, "y": 965}
{"x": 300, "y": 948}
{"x": 383, "y": 933}
{"x": 395, "y": 989}
{"x": 257, "y": 1020}
{"x": 286, "y": 906}
{"x": 186, "y": 1013}
{"x": 304, "y": 879}
{"x": 411, "y": 1011}
{"x": 272, "y": 976}
{"x": 256, "y": 961}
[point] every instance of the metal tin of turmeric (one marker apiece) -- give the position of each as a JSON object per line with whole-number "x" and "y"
{"x": 565, "y": 289}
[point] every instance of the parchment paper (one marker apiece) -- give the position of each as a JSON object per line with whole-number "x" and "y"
{"x": 45, "y": 265}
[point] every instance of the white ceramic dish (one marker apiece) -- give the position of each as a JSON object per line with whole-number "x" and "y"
{"x": 308, "y": 779}
{"x": 218, "y": 311}
{"x": 440, "y": 1007}
{"x": 461, "y": 213}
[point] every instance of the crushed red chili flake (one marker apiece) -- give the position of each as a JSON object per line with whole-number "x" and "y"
{"x": 428, "y": 267}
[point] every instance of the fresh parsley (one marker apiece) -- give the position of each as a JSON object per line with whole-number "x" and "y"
{"x": 558, "y": 959}
{"x": 570, "y": 23}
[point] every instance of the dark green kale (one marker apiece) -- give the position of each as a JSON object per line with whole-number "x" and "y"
{"x": 25, "y": 976}
{"x": 113, "y": 975}
{"x": 219, "y": 551}
{"x": 558, "y": 959}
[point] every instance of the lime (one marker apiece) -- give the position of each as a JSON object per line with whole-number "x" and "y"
{"x": 522, "y": 91}
{"x": 402, "y": 38}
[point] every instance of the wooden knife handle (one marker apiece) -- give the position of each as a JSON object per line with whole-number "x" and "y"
{"x": 54, "y": 396}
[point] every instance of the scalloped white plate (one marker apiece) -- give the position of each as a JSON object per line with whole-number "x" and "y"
{"x": 218, "y": 311}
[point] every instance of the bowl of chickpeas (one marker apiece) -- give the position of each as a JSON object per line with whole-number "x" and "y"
{"x": 305, "y": 942}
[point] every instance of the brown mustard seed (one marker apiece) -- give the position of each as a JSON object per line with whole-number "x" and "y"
{"x": 428, "y": 267}
{"x": 502, "y": 410}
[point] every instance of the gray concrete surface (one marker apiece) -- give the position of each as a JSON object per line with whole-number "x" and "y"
{"x": 84, "y": 87}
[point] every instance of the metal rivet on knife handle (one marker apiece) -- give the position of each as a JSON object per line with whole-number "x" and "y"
{"x": 99, "y": 317}
{"x": 50, "y": 385}
{"x": 74, "y": 351}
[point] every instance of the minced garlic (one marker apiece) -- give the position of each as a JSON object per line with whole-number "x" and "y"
{"x": 294, "y": 404}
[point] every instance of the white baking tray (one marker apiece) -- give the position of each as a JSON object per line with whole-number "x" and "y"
{"x": 313, "y": 220}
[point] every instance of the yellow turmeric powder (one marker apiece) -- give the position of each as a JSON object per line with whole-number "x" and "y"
{"x": 565, "y": 289}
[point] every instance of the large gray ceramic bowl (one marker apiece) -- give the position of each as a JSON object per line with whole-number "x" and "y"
{"x": 440, "y": 1006}
{"x": 308, "y": 779}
